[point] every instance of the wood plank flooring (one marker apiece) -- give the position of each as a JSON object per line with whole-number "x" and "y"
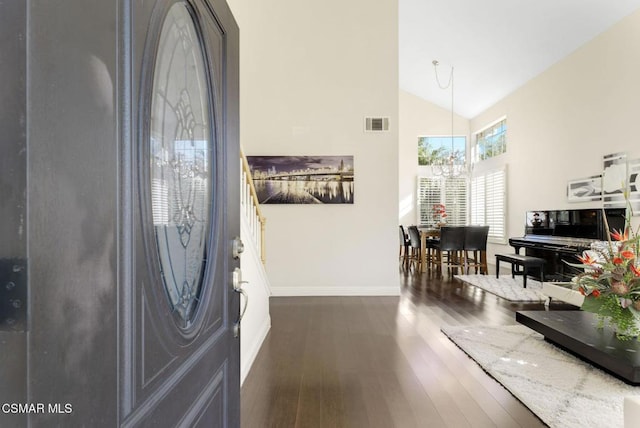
{"x": 380, "y": 362}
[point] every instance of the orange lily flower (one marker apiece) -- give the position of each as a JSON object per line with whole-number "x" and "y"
{"x": 619, "y": 236}
{"x": 586, "y": 259}
{"x": 627, "y": 254}
{"x": 617, "y": 261}
{"x": 634, "y": 269}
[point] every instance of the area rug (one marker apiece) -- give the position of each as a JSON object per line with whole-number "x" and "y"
{"x": 506, "y": 287}
{"x": 562, "y": 390}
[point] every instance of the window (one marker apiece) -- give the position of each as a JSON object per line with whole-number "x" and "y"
{"x": 491, "y": 141}
{"x": 181, "y": 172}
{"x": 432, "y": 150}
{"x": 488, "y": 203}
{"x": 451, "y": 192}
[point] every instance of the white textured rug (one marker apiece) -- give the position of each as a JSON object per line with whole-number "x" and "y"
{"x": 562, "y": 390}
{"x": 506, "y": 287}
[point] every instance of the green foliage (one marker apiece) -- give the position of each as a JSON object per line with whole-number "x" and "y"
{"x": 591, "y": 304}
{"x": 621, "y": 319}
{"x": 429, "y": 156}
{"x": 434, "y": 150}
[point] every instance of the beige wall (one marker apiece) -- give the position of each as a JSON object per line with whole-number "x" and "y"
{"x": 561, "y": 123}
{"x": 310, "y": 72}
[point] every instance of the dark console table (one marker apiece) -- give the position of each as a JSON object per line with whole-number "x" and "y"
{"x": 576, "y": 332}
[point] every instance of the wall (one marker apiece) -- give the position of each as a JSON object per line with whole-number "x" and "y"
{"x": 256, "y": 321}
{"x": 561, "y": 123}
{"x": 310, "y": 72}
{"x": 419, "y": 118}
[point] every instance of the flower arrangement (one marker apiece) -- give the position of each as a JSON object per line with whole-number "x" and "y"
{"x": 439, "y": 213}
{"x": 611, "y": 281}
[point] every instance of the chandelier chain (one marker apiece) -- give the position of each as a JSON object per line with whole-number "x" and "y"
{"x": 449, "y": 168}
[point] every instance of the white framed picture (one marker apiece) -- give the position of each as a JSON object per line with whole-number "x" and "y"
{"x": 633, "y": 183}
{"x": 585, "y": 189}
{"x": 614, "y": 180}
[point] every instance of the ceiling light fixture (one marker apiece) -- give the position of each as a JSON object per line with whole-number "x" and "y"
{"x": 451, "y": 166}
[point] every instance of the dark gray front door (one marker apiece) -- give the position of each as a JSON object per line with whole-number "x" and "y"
{"x": 119, "y": 184}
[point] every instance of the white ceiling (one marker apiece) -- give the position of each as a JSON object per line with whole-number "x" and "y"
{"x": 495, "y": 46}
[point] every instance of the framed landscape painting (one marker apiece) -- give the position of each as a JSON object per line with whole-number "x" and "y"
{"x": 303, "y": 179}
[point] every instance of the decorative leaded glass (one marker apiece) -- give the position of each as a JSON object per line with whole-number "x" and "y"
{"x": 180, "y": 143}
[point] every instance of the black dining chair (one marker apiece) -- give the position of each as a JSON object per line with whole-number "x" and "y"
{"x": 415, "y": 256}
{"x": 403, "y": 255}
{"x": 432, "y": 240}
{"x": 449, "y": 250}
{"x": 475, "y": 242}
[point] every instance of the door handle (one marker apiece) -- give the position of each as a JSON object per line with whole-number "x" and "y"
{"x": 237, "y": 287}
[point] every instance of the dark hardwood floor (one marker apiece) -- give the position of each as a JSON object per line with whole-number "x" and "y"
{"x": 380, "y": 362}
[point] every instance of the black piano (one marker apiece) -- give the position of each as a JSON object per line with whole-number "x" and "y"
{"x": 561, "y": 235}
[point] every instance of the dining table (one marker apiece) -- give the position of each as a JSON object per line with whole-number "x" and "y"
{"x": 426, "y": 233}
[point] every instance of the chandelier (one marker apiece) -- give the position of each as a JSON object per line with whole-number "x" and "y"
{"x": 451, "y": 166}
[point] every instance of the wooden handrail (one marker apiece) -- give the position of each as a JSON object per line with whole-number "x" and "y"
{"x": 254, "y": 195}
{"x": 254, "y": 205}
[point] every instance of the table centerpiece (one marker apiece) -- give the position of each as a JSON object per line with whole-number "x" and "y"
{"x": 610, "y": 281}
{"x": 439, "y": 215}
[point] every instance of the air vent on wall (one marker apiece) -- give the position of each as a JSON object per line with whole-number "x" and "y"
{"x": 376, "y": 124}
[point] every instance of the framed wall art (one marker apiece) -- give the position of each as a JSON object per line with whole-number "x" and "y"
{"x": 633, "y": 183}
{"x": 614, "y": 180}
{"x": 585, "y": 189}
{"x": 303, "y": 179}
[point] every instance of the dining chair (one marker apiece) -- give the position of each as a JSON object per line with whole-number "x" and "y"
{"x": 449, "y": 250}
{"x": 403, "y": 255}
{"x": 432, "y": 237}
{"x": 415, "y": 258}
{"x": 475, "y": 242}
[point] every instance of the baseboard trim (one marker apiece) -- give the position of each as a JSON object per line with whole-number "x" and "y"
{"x": 334, "y": 291}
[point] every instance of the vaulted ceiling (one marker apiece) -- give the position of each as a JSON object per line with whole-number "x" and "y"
{"x": 494, "y": 46}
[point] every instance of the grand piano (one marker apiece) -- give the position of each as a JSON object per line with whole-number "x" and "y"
{"x": 561, "y": 235}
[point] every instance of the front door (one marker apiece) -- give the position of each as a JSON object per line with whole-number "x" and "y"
{"x": 119, "y": 182}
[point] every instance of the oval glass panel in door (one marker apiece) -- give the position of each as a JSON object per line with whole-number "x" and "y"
{"x": 181, "y": 152}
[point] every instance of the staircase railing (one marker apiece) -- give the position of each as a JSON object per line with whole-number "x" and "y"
{"x": 251, "y": 207}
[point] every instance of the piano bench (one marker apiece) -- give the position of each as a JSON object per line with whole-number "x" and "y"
{"x": 517, "y": 260}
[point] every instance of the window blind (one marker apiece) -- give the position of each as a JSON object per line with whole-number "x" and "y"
{"x": 488, "y": 203}
{"x": 495, "y": 204}
{"x": 455, "y": 201}
{"x": 429, "y": 194}
{"x": 477, "y": 200}
{"x": 452, "y": 192}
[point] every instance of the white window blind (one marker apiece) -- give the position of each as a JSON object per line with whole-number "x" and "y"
{"x": 488, "y": 202}
{"x": 455, "y": 201}
{"x": 452, "y": 192}
{"x": 429, "y": 194}
{"x": 477, "y": 200}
